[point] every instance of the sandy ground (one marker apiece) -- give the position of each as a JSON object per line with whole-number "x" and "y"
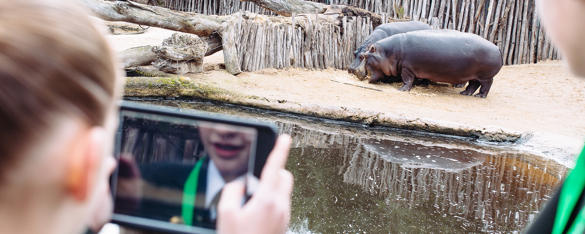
{"x": 542, "y": 100}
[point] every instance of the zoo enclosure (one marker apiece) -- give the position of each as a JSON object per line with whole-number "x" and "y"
{"x": 512, "y": 25}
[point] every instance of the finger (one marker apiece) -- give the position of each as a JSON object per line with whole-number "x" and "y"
{"x": 286, "y": 184}
{"x": 231, "y": 198}
{"x": 284, "y": 192}
{"x": 277, "y": 158}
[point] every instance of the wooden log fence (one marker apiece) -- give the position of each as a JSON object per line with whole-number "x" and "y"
{"x": 307, "y": 42}
{"x": 511, "y": 24}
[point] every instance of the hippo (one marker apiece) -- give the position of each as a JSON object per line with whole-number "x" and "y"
{"x": 446, "y": 56}
{"x": 381, "y": 32}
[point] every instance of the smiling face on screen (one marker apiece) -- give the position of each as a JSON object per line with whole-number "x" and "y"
{"x": 228, "y": 147}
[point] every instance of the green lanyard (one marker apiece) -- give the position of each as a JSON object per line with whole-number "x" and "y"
{"x": 570, "y": 193}
{"x": 190, "y": 193}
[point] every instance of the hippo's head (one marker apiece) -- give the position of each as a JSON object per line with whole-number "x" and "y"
{"x": 378, "y": 62}
{"x": 372, "y": 63}
{"x": 353, "y": 67}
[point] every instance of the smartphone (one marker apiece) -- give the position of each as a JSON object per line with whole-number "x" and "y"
{"x": 173, "y": 164}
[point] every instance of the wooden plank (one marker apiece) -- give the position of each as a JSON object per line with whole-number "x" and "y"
{"x": 497, "y": 21}
{"x": 521, "y": 42}
{"x": 503, "y": 30}
{"x": 441, "y": 14}
{"x": 471, "y": 17}
{"x": 545, "y": 49}
{"x": 534, "y": 37}
{"x": 432, "y": 10}
{"x": 462, "y": 15}
{"x": 476, "y": 19}
{"x": 513, "y": 38}
{"x": 446, "y": 22}
{"x": 454, "y": 13}
{"x": 510, "y": 20}
{"x": 486, "y": 30}
{"x": 541, "y": 41}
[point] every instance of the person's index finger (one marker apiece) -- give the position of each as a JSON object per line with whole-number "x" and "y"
{"x": 231, "y": 197}
{"x": 277, "y": 158}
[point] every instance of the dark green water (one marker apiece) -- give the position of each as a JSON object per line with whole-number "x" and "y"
{"x": 355, "y": 179}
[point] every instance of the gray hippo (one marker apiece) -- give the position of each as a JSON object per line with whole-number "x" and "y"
{"x": 381, "y": 32}
{"x": 446, "y": 56}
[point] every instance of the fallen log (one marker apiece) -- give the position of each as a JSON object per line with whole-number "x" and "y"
{"x": 290, "y": 7}
{"x": 198, "y": 24}
{"x": 204, "y": 26}
{"x": 137, "y": 56}
{"x": 225, "y": 32}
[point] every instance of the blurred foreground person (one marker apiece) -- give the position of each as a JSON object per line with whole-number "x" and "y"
{"x": 564, "y": 22}
{"x": 59, "y": 86}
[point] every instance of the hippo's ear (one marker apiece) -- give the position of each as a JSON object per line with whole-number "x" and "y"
{"x": 372, "y": 49}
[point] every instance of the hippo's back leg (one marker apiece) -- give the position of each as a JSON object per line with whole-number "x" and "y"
{"x": 485, "y": 87}
{"x": 471, "y": 87}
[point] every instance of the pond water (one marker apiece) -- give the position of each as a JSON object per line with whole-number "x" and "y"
{"x": 351, "y": 178}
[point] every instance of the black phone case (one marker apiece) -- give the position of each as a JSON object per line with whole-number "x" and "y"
{"x": 266, "y": 139}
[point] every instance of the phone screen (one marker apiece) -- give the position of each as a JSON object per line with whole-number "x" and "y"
{"x": 173, "y": 169}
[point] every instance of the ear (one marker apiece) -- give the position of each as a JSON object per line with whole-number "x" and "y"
{"x": 83, "y": 164}
{"x": 372, "y": 49}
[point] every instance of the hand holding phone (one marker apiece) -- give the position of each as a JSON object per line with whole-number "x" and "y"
{"x": 269, "y": 209}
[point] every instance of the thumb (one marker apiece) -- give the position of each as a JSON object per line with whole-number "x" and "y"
{"x": 231, "y": 199}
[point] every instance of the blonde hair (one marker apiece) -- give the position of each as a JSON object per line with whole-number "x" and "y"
{"x": 53, "y": 61}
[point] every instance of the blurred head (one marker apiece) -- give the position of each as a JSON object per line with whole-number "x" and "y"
{"x": 563, "y": 21}
{"x": 360, "y": 69}
{"x": 356, "y": 60}
{"x": 58, "y": 87}
{"x": 228, "y": 147}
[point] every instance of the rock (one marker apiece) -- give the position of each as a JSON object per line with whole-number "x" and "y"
{"x": 181, "y": 53}
{"x": 178, "y": 67}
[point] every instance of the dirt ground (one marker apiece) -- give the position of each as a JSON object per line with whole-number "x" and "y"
{"x": 542, "y": 101}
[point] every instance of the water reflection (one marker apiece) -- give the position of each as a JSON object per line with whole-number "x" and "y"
{"x": 353, "y": 184}
{"x": 350, "y": 179}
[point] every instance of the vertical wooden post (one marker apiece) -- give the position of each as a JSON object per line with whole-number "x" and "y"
{"x": 442, "y": 13}
{"x": 230, "y": 52}
{"x": 497, "y": 21}
{"x": 488, "y": 18}
{"x": 471, "y": 17}
{"x": 454, "y": 13}
{"x": 446, "y": 22}
{"x": 534, "y": 33}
